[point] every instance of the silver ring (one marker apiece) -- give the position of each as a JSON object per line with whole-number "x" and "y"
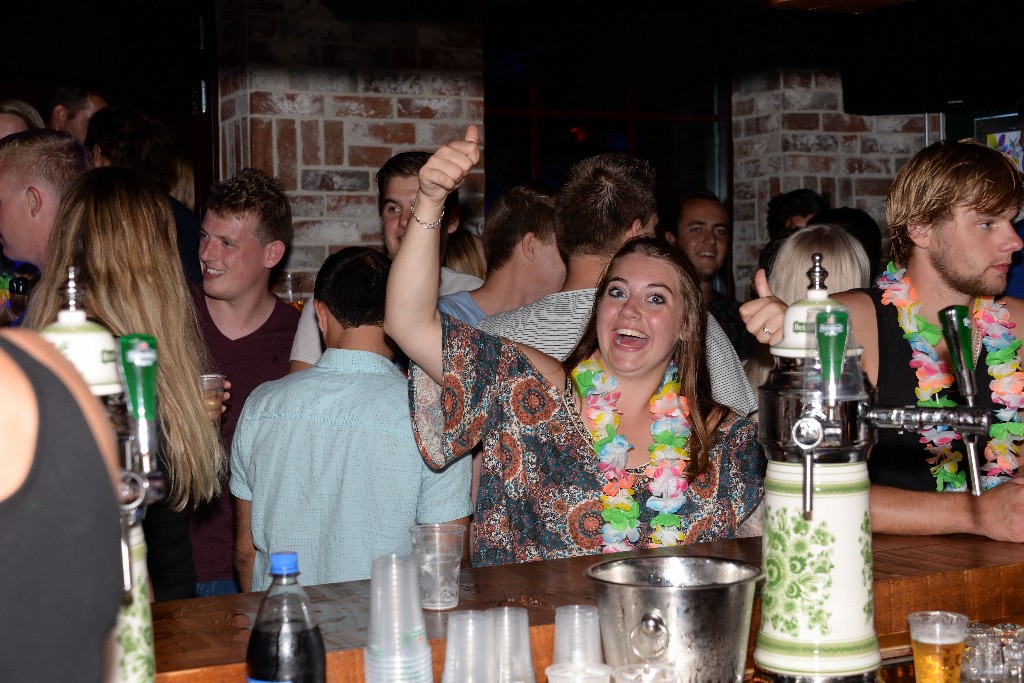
{"x": 766, "y": 330}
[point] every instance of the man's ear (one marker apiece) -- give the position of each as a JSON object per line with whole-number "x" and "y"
{"x": 453, "y": 218}
{"x": 636, "y": 228}
{"x": 670, "y": 237}
{"x": 273, "y": 252}
{"x": 320, "y": 309}
{"x": 35, "y": 200}
{"x": 920, "y": 234}
{"x": 528, "y": 245}
{"x": 59, "y": 118}
{"x": 98, "y": 160}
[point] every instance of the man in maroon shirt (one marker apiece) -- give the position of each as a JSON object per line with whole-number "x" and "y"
{"x": 245, "y": 233}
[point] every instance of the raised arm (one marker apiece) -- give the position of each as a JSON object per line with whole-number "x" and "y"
{"x": 410, "y": 314}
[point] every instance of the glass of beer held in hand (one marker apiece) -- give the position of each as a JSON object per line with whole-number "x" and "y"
{"x": 938, "y": 642}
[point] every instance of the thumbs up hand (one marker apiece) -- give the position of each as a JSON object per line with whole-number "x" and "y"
{"x": 450, "y": 165}
{"x": 763, "y": 316}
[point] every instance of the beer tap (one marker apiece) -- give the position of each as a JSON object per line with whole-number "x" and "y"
{"x": 956, "y": 328}
{"x": 141, "y": 482}
{"x": 817, "y": 425}
{"x": 95, "y": 354}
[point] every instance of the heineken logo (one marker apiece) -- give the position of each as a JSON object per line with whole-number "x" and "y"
{"x": 143, "y": 356}
{"x": 831, "y": 329}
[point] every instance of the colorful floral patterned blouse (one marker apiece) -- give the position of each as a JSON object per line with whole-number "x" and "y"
{"x": 539, "y": 495}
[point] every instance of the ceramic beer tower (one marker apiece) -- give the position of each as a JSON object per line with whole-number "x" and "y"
{"x": 817, "y": 427}
{"x": 122, "y": 375}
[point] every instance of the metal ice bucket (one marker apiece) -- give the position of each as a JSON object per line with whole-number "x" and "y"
{"x": 691, "y": 612}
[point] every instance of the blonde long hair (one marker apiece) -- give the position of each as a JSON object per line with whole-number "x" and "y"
{"x": 118, "y": 231}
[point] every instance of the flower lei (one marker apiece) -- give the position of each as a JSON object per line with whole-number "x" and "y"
{"x": 1007, "y": 385}
{"x": 670, "y": 431}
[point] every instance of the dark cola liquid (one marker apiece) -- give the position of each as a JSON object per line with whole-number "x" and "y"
{"x": 286, "y": 655}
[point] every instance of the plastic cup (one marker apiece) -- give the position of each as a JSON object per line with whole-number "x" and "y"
{"x": 396, "y": 627}
{"x": 983, "y": 656}
{"x": 438, "y": 550}
{"x": 469, "y": 648}
{"x": 213, "y": 396}
{"x": 578, "y": 673}
{"x": 512, "y": 644}
{"x": 648, "y": 672}
{"x": 292, "y": 285}
{"x": 577, "y": 635}
{"x": 395, "y": 669}
{"x": 938, "y": 642}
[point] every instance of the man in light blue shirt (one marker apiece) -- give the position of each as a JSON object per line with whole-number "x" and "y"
{"x": 324, "y": 461}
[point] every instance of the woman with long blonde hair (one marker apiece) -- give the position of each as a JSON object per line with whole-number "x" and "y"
{"x": 117, "y": 230}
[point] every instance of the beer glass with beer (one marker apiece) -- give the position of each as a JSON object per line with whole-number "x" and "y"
{"x": 938, "y": 642}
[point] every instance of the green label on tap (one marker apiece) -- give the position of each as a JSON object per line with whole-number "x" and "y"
{"x": 138, "y": 368}
{"x": 832, "y": 329}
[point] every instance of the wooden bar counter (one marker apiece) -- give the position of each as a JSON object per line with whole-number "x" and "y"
{"x": 204, "y": 640}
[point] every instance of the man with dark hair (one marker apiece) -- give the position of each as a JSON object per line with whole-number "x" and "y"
{"x": 793, "y": 210}
{"x": 128, "y": 138}
{"x": 70, "y": 108}
{"x": 36, "y": 169}
{"x": 245, "y": 233}
{"x": 607, "y": 200}
{"x": 950, "y": 213}
{"x": 346, "y": 420}
{"x": 397, "y": 184}
{"x": 787, "y": 212}
{"x": 523, "y": 262}
{"x": 701, "y": 232}
{"x": 861, "y": 227}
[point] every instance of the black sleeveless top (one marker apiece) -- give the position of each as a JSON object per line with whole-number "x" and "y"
{"x": 60, "y": 556}
{"x": 899, "y": 459}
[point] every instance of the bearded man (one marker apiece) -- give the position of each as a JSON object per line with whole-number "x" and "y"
{"x": 950, "y": 213}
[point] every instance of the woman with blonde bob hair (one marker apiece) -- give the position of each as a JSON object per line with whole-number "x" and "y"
{"x": 841, "y": 255}
{"x": 118, "y": 231}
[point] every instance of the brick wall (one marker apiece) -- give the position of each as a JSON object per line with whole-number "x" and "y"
{"x": 789, "y": 131}
{"x": 322, "y": 104}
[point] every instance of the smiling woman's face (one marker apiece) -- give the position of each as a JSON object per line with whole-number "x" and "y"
{"x": 639, "y": 316}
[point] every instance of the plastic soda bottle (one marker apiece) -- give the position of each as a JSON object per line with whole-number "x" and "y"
{"x": 286, "y": 645}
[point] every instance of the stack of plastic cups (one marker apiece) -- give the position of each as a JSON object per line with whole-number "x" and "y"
{"x": 397, "y": 650}
{"x": 469, "y": 648}
{"x": 512, "y": 644}
{"x": 577, "y": 635}
{"x": 648, "y": 672}
{"x": 578, "y": 647}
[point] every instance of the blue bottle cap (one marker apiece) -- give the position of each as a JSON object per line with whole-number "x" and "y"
{"x": 284, "y": 563}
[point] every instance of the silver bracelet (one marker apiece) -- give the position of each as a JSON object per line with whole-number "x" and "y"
{"x": 426, "y": 226}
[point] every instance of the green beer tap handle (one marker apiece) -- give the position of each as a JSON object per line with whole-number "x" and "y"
{"x": 832, "y": 329}
{"x": 956, "y": 329}
{"x": 138, "y": 365}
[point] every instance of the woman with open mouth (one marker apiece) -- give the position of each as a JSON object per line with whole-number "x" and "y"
{"x": 619, "y": 447}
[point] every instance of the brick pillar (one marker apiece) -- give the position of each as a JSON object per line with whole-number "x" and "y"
{"x": 790, "y": 132}
{"x": 322, "y": 104}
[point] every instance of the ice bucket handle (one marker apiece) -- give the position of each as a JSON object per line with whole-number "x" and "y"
{"x": 649, "y": 638}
